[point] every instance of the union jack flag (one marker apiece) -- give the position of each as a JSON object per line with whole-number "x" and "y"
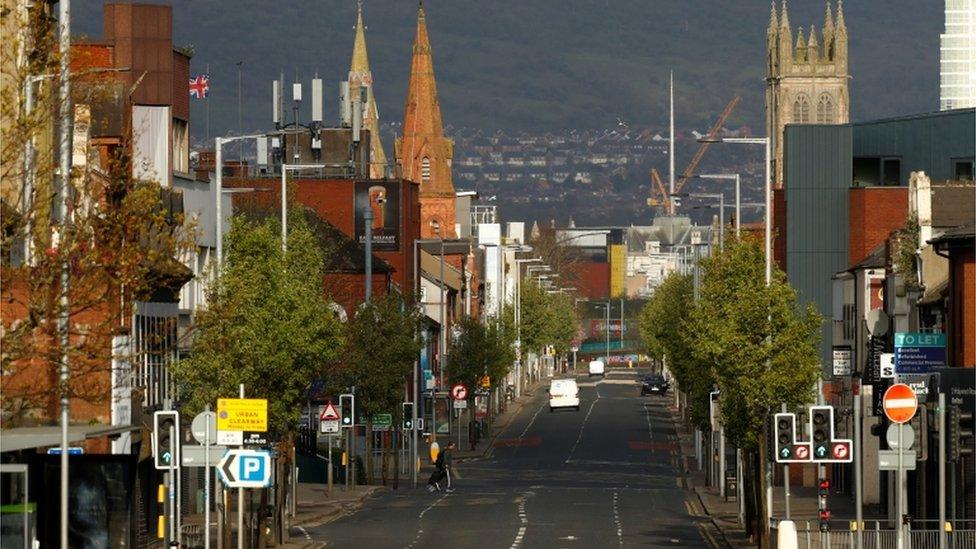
{"x": 200, "y": 86}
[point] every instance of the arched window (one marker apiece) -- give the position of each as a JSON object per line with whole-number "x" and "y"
{"x": 425, "y": 170}
{"x": 825, "y": 109}
{"x": 801, "y": 110}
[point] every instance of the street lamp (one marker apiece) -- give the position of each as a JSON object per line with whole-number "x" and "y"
{"x": 518, "y": 319}
{"x": 607, "y": 305}
{"x": 721, "y": 212}
{"x": 728, "y": 177}
{"x": 218, "y": 190}
{"x": 436, "y": 227}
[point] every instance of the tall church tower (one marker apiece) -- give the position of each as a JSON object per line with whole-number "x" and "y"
{"x": 806, "y": 83}
{"x": 360, "y": 75}
{"x": 422, "y": 152}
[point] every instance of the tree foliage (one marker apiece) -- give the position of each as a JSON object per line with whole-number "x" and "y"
{"x": 382, "y": 343}
{"x": 268, "y": 325}
{"x": 480, "y": 349}
{"x": 762, "y": 348}
{"x": 547, "y": 318}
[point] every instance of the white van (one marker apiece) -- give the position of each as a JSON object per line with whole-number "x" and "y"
{"x": 597, "y": 368}
{"x": 563, "y": 393}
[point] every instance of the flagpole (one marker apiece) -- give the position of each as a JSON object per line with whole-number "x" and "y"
{"x": 208, "y": 108}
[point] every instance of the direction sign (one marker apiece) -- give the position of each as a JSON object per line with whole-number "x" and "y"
{"x": 72, "y": 451}
{"x": 460, "y": 404}
{"x": 329, "y": 426}
{"x": 329, "y": 413}
{"x": 900, "y": 403}
{"x": 242, "y": 414}
{"x": 245, "y": 468}
{"x": 459, "y": 392}
{"x": 888, "y": 460}
{"x": 196, "y": 456}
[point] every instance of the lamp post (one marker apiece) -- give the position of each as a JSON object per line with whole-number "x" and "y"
{"x": 607, "y": 305}
{"x": 518, "y": 320}
{"x": 285, "y": 168}
{"x": 729, "y": 177}
{"x": 442, "y": 346}
{"x": 768, "y": 245}
{"x": 218, "y": 190}
{"x": 721, "y": 212}
{"x": 415, "y": 441}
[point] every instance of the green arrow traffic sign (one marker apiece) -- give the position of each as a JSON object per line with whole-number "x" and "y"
{"x": 821, "y": 451}
{"x": 785, "y": 453}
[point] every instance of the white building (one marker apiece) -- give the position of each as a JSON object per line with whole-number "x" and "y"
{"x": 957, "y": 53}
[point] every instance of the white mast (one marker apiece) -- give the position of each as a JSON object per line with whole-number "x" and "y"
{"x": 671, "y": 150}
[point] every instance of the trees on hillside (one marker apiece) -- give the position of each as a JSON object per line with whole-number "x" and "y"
{"x": 268, "y": 325}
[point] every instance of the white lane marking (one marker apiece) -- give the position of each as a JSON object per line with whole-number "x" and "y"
{"x": 304, "y": 533}
{"x": 527, "y": 427}
{"x": 647, "y": 414}
{"x": 582, "y": 426}
{"x": 420, "y": 517}
{"x": 616, "y": 520}
{"x": 523, "y": 521}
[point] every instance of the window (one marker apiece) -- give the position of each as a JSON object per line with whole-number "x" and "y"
{"x": 181, "y": 146}
{"x": 425, "y": 170}
{"x": 825, "y": 109}
{"x": 871, "y": 171}
{"x": 962, "y": 170}
{"x": 891, "y": 172}
{"x": 801, "y": 110}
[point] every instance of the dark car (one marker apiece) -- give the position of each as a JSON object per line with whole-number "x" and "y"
{"x": 654, "y": 384}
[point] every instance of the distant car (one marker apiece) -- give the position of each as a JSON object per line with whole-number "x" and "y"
{"x": 597, "y": 368}
{"x": 654, "y": 384}
{"x": 563, "y": 393}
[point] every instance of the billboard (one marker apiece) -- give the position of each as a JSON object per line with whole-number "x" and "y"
{"x": 383, "y": 199}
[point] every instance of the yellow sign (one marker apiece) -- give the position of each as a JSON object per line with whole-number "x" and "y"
{"x": 486, "y": 382}
{"x": 242, "y": 414}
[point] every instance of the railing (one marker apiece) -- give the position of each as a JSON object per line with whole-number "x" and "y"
{"x": 874, "y": 537}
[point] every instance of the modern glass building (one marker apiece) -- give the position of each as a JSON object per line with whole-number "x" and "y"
{"x": 957, "y": 54}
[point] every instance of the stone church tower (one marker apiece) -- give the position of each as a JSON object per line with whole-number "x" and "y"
{"x": 422, "y": 152}
{"x": 807, "y": 81}
{"x": 361, "y": 75}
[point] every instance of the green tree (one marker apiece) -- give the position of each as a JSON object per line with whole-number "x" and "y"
{"x": 547, "y": 318}
{"x": 268, "y": 325}
{"x": 762, "y": 349}
{"x": 480, "y": 349}
{"x": 382, "y": 343}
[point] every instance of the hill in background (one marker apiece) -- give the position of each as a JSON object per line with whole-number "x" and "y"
{"x": 537, "y": 66}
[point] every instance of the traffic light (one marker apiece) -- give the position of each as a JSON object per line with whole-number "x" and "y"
{"x": 347, "y": 409}
{"x": 785, "y": 435}
{"x": 823, "y": 490}
{"x": 407, "y": 416}
{"x": 821, "y": 430}
{"x": 166, "y": 439}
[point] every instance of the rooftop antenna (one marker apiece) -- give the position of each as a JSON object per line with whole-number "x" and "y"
{"x": 316, "y": 99}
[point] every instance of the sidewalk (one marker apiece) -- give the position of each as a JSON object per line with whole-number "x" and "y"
{"x": 725, "y": 514}
{"x": 500, "y": 423}
{"x": 312, "y": 508}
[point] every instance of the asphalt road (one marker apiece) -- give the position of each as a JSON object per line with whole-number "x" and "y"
{"x": 606, "y": 476}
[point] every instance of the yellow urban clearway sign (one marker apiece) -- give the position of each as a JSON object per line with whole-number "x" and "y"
{"x": 242, "y": 414}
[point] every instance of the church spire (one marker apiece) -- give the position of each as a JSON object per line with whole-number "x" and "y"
{"x": 784, "y": 18}
{"x": 841, "y": 27}
{"x": 361, "y": 76}
{"x": 813, "y": 49}
{"x": 773, "y": 20}
{"x": 801, "y": 45}
{"x": 828, "y": 34}
{"x": 422, "y": 152}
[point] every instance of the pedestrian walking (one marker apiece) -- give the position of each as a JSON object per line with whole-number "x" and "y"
{"x": 439, "y": 474}
{"x": 447, "y": 459}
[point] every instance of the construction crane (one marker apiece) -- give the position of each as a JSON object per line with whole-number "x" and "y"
{"x": 658, "y": 185}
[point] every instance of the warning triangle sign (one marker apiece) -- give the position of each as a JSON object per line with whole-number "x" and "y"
{"x": 329, "y": 413}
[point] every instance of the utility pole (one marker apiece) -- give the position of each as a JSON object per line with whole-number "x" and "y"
{"x": 368, "y": 226}
{"x": 65, "y": 113}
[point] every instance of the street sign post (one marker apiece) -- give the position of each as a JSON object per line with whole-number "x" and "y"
{"x": 900, "y": 403}
{"x": 241, "y": 468}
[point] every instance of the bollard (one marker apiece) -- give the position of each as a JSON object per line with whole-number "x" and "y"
{"x": 786, "y": 535}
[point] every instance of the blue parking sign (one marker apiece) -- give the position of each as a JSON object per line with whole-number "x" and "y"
{"x": 240, "y": 468}
{"x": 252, "y": 468}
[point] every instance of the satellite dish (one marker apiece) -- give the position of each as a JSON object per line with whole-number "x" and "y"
{"x": 877, "y": 321}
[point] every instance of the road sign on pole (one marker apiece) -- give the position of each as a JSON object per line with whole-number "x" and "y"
{"x": 329, "y": 419}
{"x": 900, "y": 403}
{"x": 245, "y": 468}
{"x": 459, "y": 392}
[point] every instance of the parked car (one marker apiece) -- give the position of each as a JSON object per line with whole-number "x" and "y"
{"x": 654, "y": 384}
{"x": 597, "y": 368}
{"x": 563, "y": 393}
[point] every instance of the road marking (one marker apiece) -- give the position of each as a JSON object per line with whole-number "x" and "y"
{"x": 616, "y": 520}
{"x": 647, "y": 414}
{"x": 420, "y": 517}
{"x": 523, "y": 520}
{"x": 304, "y": 533}
{"x": 527, "y": 427}
{"x": 582, "y": 426}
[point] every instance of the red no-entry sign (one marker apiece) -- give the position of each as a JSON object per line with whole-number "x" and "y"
{"x": 900, "y": 403}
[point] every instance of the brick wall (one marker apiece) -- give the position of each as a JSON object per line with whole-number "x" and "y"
{"x": 779, "y": 228}
{"x": 873, "y": 213}
{"x": 962, "y": 308}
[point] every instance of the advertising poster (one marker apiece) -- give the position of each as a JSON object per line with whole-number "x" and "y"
{"x": 383, "y": 200}
{"x": 917, "y": 353}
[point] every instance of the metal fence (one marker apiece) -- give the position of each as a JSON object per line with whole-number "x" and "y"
{"x": 810, "y": 537}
